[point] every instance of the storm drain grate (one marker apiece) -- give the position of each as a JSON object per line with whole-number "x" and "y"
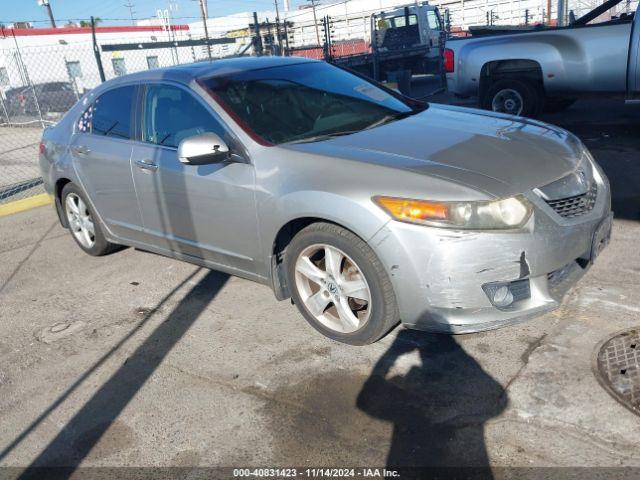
{"x": 618, "y": 368}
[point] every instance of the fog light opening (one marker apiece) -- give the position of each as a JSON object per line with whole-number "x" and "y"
{"x": 502, "y": 297}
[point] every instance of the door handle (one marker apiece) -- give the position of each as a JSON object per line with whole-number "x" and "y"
{"x": 147, "y": 165}
{"x": 81, "y": 150}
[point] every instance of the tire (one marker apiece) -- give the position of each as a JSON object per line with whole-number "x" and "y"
{"x": 527, "y": 96}
{"x": 555, "y": 105}
{"x": 359, "y": 266}
{"x": 96, "y": 244}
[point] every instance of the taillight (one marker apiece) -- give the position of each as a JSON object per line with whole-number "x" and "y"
{"x": 42, "y": 148}
{"x": 449, "y": 64}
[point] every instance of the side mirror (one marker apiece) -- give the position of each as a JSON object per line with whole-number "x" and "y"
{"x": 203, "y": 149}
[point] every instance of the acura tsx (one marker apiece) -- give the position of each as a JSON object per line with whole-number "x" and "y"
{"x": 363, "y": 206}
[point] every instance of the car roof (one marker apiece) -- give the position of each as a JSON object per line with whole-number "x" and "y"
{"x": 187, "y": 72}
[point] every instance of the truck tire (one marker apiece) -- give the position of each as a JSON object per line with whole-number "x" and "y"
{"x": 514, "y": 96}
{"x": 555, "y": 105}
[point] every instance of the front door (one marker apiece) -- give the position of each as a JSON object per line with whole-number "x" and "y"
{"x": 101, "y": 150}
{"x": 205, "y": 211}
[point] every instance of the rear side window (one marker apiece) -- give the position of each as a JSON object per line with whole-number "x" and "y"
{"x": 110, "y": 114}
{"x": 433, "y": 20}
{"x": 171, "y": 114}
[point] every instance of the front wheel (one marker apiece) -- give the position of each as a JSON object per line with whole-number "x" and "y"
{"x": 339, "y": 285}
{"x": 514, "y": 97}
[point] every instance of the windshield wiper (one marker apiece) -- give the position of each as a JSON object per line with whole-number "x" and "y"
{"x": 324, "y": 136}
{"x": 377, "y": 123}
{"x": 390, "y": 118}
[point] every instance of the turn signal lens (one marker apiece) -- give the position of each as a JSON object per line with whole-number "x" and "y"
{"x": 411, "y": 210}
{"x": 405, "y": 209}
{"x": 507, "y": 213}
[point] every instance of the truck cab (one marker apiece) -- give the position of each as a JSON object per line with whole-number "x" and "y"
{"x": 407, "y": 27}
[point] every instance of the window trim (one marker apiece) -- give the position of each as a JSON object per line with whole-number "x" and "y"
{"x": 235, "y": 145}
{"x": 412, "y": 103}
{"x": 132, "y": 118}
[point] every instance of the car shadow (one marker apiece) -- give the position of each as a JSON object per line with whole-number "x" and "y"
{"x": 438, "y": 409}
{"x": 84, "y": 430}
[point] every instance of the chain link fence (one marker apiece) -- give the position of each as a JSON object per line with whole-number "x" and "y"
{"x": 43, "y": 76}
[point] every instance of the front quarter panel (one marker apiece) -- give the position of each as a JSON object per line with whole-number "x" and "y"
{"x": 292, "y": 185}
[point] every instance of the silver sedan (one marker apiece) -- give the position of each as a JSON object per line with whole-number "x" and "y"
{"x": 365, "y": 207}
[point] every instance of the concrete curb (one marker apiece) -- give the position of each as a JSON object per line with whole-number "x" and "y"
{"x": 25, "y": 204}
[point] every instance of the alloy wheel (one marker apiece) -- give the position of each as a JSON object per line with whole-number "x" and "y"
{"x": 333, "y": 288}
{"x": 80, "y": 220}
{"x": 508, "y": 101}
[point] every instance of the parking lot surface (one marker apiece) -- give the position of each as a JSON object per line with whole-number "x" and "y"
{"x": 136, "y": 359}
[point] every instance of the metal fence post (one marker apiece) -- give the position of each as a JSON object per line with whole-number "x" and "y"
{"x": 258, "y": 38}
{"x": 96, "y": 50}
{"x": 286, "y": 39}
{"x": 28, "y": 80}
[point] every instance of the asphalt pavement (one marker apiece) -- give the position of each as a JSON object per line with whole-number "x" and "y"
{"x": 138, "y": 360}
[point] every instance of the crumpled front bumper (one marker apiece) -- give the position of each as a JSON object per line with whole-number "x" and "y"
{"x": 438, "y": 274}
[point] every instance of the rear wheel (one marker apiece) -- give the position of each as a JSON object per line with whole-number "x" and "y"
{"x": 339, "y": 285}
{"x": 83, "y": 222}
{"x": 514, "y": 97}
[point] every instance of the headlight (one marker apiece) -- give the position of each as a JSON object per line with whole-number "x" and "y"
{"x": 507, "y": 213}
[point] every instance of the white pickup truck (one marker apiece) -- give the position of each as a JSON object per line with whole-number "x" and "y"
{"x": 526, "y": 72}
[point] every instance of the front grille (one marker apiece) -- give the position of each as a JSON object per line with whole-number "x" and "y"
{"x": 577, "y": 205}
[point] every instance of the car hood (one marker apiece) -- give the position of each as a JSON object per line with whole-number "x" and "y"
{"x": 494, "y": 153}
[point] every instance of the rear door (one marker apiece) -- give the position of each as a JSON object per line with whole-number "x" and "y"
{"x": 205, "y": 211}
{"x": 101, "y": 150}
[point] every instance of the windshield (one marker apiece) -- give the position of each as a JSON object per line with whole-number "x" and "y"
{"x": 307, "y": 101}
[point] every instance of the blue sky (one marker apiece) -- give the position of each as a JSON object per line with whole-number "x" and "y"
{"x": 115, "y": 9}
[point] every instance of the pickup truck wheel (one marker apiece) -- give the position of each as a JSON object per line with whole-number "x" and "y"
{"x": 514, "y": 97}
{"x": 339, "y": 284}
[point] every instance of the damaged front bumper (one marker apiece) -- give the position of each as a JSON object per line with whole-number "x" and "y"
{"x": 450, "y": 281}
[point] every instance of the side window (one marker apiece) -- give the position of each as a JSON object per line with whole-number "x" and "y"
{"x": 110, "y": 114}
{"x": 433, "y": 20}
{"x": 119, "y": 67}
{"x": 152, "y": 62}
{"x": 172, "y": 114}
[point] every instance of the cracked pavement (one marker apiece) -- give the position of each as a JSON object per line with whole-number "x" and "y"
{"x": 135, "y": 359}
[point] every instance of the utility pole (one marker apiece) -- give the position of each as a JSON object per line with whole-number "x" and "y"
{"x": 203, "y": 11}
{"x": 278, "y": 26}
{"x": 132, "y": 11}
{"x": 96, "y": 50}
{"x": 315, "y": 20}
{"x": 45, "y": 3}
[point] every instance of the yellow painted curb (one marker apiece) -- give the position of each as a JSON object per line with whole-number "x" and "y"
{"x": 25, "y": 204}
